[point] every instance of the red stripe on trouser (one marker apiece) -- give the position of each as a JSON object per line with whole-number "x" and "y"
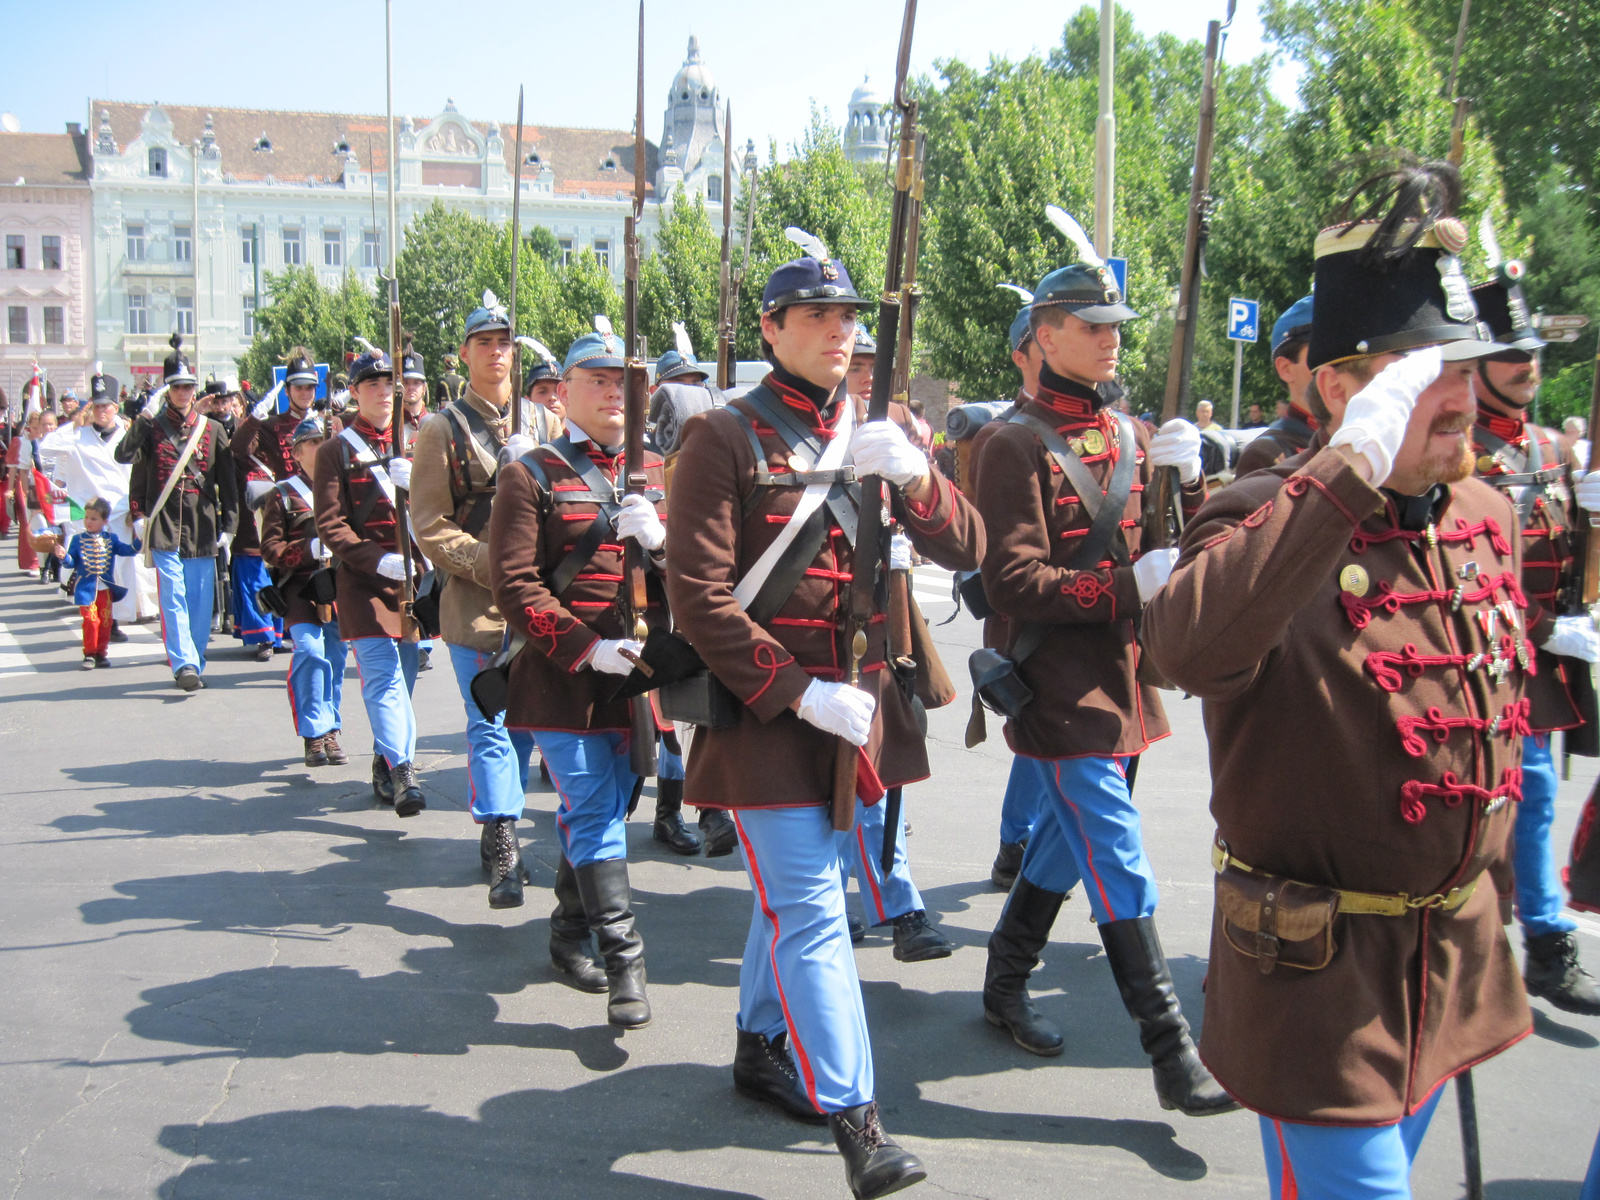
{"x": 795, "y": 1045}
{"x": 1088, "y": 846}
{"x": 1289, "y": 1189}
{"x": 869, "y": 873}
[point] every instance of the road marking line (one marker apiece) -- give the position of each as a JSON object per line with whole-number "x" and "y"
{"x": 13, "y": 661}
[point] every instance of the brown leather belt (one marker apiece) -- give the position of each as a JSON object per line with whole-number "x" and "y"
{"x": 1377, "y": 904}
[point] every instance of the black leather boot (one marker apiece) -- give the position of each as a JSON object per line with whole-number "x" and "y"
{"x": 873, "y": 1164}
{"x": 486, "y": 844}
{"x": 763, "y": 1070}
{"x": 1007, "y": 863}
{"x": 917, "y": 939}
{"x": 1551, "y": 972}
{"x": 382, "y": 781}
{"x": 604, "y": 888}
{"x": 408, "y": 798}
{"x": 1014, "y": 949}
{"x": 505, "y": 875}
{"x": 569, "y": 934}
{"x": 1140, "y": 968}
{"x": 716, "y": 827}
{"x": 669, "y": 828}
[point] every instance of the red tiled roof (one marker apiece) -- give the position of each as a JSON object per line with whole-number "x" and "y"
{"x": 42, "y": 159}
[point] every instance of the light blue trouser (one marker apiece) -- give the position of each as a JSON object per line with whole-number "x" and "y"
{"x": 1096, "y": 838}
{"x": 1329, "y": 1162}
{"x": 497, "y": 758}
{"x": 668, "y": 764}
{"x": 1540, "y": 896}
{"x": 799, "y": 973}
{"x": 1591, "y": 1183}
{"x": 186, "y": 589}
{"x": 256, "y": 627}
{"x": 883, "y": 898}
{"x": 594, "y": 778}
{"x": 388, "y": 669}
{"x": 1020, "y": 808}
{"x": 316, "y": 678}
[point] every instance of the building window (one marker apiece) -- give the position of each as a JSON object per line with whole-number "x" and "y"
{"x": 50, "y": 252}
{"x": 158, "y": 164}
{"x": 714, "y": 189}
{"x": 135, "y": 243}
{"x": 293, "y": 254}
{"x": 566, "y": 252}
{"x": 55, "y": 326}
{"x": 183, "y": 243}
{"x": 17, "y": 325}
{"x": 250, "y": 316}
{"x": 184, "y": 318}
{"x": 332, "y": 248}
{"x": 247, "y": 245}
{"x": 138, "y": 313}
{"x": 16, "y": 252}
{"x": 602, "y": 253}
{"x": 370, "y": 248}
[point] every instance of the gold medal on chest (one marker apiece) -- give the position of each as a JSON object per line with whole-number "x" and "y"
{"x": 1094, "y": 442}
{"x": 1486, "y": 463}
{"x": 798, "y": 465}
{"x": 1353, "y": 579}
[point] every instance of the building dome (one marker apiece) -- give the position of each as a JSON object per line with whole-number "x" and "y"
{"x": 866, "y": 128}
{"x": 693, "y": 81}
{"x": 866, "y": 97}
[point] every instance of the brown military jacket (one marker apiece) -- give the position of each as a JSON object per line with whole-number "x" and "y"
{"x": 288, "y": 525}
{"x": 450, "y": 503}
{"x": 1546, "y": 556}
{"x": 204, "y": 504}
{"x": 531, "y": 531}
{"x": 1087, "y": 700}
{"x": 356, "y": 522}
{"x": 1361, "y": 738}
{"x": 1284, "y": 438}
{"x": 722, "y": 524}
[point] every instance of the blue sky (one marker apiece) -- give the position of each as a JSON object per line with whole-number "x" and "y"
{"x": 577, "y": 60}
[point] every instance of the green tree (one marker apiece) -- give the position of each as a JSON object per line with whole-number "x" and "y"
{"x": 448, "y": 256}
{"x": 302, "y": 312}
{"x": 679, "y": 281}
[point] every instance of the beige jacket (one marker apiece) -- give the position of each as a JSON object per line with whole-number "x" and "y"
{"x": 467, "y": 613}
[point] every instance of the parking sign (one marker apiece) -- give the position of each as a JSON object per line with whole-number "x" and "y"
{"x": 1243, "y": 320}
{"x": 1119, "y": 272}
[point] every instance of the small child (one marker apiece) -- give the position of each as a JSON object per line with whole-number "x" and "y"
{"x": 91, "y": 555}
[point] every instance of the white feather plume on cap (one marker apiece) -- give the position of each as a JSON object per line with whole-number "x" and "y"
{"x": 602, "y": 326}
{"x": 680, "y": 339}
{"x": 809, "y": 242}
{"x": 490, "y": 300}
{"x": 1064, "y": 221}
{"x": 1491, "y": 243}
{"x": 365, "y": 346}
{"x": 1027, "y": 296}
{"x": 538, "y": 348}
{"x": 99, "y": 368}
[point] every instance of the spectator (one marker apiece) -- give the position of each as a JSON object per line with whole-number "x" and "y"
{"x": 1202, "y": 416}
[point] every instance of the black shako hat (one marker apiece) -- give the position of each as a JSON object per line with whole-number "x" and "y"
{"x": 300, "y": 368}
{"x": 1389, "y": 279}
{"x": 102, "y": 387}
{"x": 411, "y": 365}
{"x": 813, "y": 279}
{"x": 175, "y": 367}
{"x": 1503, "y": 308}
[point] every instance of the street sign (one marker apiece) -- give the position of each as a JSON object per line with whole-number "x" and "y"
{"x": 1119, "y": 269}
{"x": 279, "y": 372}
{"x": 1559, "y": 335}
{"x": 1244, "y": 320}
{"x": 1542, "y": 321}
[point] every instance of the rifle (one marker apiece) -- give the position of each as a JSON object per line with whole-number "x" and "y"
{"x": 1458, "y": 119}
{"x": 1180, "y": 361}
{"x": 1591, "y": 546}
{"x": 725, "y": 292}
{"x": 870, "y": 548}
{"x": 397, "y": 420}
{"x": 636, "y": 404}
{"x": 516, "y": 244}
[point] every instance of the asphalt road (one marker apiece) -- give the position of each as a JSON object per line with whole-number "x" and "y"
{"x": 224, "y": 975}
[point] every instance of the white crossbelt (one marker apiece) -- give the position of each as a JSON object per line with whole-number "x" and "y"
{"x": 369, "y": 460}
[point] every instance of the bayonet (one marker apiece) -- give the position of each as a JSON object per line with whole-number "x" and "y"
{"x": 516, "y": 245}
{"x": 397, "y": 421}
{"x": 725, "y": 295}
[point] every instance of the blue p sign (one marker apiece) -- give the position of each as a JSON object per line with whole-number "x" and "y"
{"x": 1243, "y": 320}
{"x": 1119, "y": 272}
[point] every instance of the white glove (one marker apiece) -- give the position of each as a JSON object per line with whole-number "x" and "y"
{"x": 839, "y": 709}
{"x": 1574, "y": 637}
{"x": 400, "y": 473}
{"x": 316, "y": 549}
{"x": 638, "y": 520}
{"x": 516, "y": 446}
{"x": 900, "y": 553}
{"x": 1587, "y": 493}
{"x": 1177, "y": 444}
{"x": 224, "y": 540}
{"x": 138, "y": 528}
{"x": 881, "y": 448}
{"x": 268, "y": 404}
{"x": 392, "y": 566}
{"x": 1375, "y": 419}
{"x": 1151, "y": 572}
{"x": 607, "y": 656}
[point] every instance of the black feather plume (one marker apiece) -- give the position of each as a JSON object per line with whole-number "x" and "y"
{"x": 1406, "y": 200}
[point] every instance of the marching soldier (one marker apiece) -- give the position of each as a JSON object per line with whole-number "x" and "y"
{"x": 760, "y": 557}
{"x": 1532, "y": 466}
{"x": 450, "y": 386}
{"x": 184, "y": 497}
{"x": 354, "y": 497}
{"x": 555, "y": 564}
{"x": 291, "y": 548}
{"x": 540, "y": 393}
{"x": 1355, "y": 623}
{"x": 1070, "y": 580}
{"x": 455, "y": 463}
{"x": 247, "y": 573}
{"x": 1294, "y": 431}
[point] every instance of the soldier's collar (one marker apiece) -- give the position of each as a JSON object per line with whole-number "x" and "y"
{"x": 1507, "y": 429}
{"x": 818, "y": 396}
{"x": 1416, "y": 513}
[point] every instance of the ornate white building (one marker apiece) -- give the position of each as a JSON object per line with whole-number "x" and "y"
{"x": 44, "y": 276}
{"x": 866, "y": 127}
